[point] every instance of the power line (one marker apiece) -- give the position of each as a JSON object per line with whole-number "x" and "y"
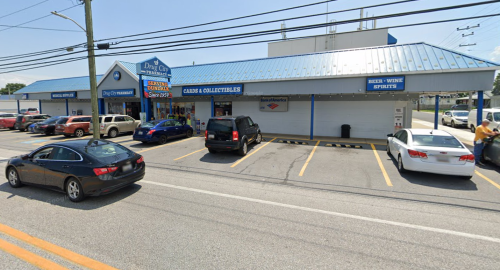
{"x": 23, "y": 9}
{"x": 38, "y": 28}
{"x": 27, "y": 55}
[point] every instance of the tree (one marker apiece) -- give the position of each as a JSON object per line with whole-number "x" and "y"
{"x": 13, "y": 87}
{"x": 496, "y": 86}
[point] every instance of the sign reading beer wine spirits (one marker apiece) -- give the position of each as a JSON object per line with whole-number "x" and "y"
{"x": 213, "y": 90}
{"x": 394, "y": 83}
{"x": 156, "y": 89}
{"x": 273, "y": 104}
{"x": 153, "y": 67}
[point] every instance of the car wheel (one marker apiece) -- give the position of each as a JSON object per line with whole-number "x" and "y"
{"x": 388, "y": 150}
{"x": 212, "y": 151}
{"x": 74, "y": 190}
{"x": 79, "y": 133}
{"x": 453, "y": 124}
{"x": 401, "y": 167}
{"x": 243, "y": 149}
{"x": 67, "y": 135}
{"x": 443, "y": 122}
{"x": 144, "y": 142}
{"x": 258, "y": 139}
{"x": 13, "y": 177}
{"x": 11, "y": 128}
{"x": 113, "y": 133}
{"x": 189, "y": 133}
{"x": 162, "y": 139}
{"x": 22, "y": 129}
{"x": 466, "y": 177}
{"x": 472, "y": 129}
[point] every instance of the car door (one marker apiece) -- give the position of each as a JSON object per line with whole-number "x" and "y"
{"x": 177, "y": 128}
{"x": 121, "y": 124}
{"x": 33, "y": 169}
{"x": 251, "y": 129}
{"x": 130, "y": 123}
{"x": 492, "y": 151}
{"x": 396, "y": 143}
{"x": 62, "y": 164}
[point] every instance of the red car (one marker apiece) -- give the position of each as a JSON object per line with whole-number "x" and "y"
{"x": 73, "y": 125}
{"x": 7, "y": 120}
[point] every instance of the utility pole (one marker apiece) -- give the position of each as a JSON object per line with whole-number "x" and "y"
{"x": 92, "y": 72}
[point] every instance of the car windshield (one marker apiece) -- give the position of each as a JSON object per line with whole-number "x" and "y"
{"x": 436, "y": 141}
{"x": 107, "y": 152}
{"x": 461, "y": 114}
{"x": 23, "y": 110}
{"x": 496, "y": 116}
{"x": 223, "y": 125}
{"x": 150, "y": 124}
{"x": 52, "y": 120}
{"x": 62, "y": 121}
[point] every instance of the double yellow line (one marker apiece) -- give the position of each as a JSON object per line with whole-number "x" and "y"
{"x": 39, "y": 261}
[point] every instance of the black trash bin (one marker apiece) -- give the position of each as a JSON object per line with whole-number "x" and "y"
{"x": 346, "y": 131}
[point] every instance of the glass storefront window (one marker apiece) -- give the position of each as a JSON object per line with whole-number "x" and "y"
{"x": 115, "y": 108}
{"x": 223, "y": 108}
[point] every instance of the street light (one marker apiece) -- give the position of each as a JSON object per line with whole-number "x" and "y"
{"x": 91, "y": 57}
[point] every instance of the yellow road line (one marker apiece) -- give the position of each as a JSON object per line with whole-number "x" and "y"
{"x": 253, "y": 152}
{"x": 29, "y": 257}
{"x": 487, "y": 179}
{"x": 156, "y": 147}
{"x": 57, "y": 250}
{"x": 382, "y": 168}
{"x": 308, "y": 159}
{"x": 191, "y": 153}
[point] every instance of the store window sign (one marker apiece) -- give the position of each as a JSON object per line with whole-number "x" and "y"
{"x": 25, "y": 97}
{"x": 63, "y": 95}
{"x": 213, "y": 90}
{"x": 118, "y": 93}
{"x": 393, "y": 83}
{"x": 153, "y": 67}
{"x": 273, "y": 104}
{"x": 156, "y": 89}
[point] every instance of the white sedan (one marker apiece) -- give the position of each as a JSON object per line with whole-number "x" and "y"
{"x": 431, "y": 151}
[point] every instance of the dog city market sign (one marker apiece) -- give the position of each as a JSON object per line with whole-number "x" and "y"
{"x": 153, "y": 67}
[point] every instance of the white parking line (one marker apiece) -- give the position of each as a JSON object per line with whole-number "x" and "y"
{"x": 337, "y": 214}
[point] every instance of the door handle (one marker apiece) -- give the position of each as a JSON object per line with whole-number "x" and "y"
{"x": 41, "y": 164}
{"x": 65, "y": 166}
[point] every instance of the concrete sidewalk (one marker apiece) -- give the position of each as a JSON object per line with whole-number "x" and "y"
{"x": 326, "y": 139}
{"x": 464, "y": 135}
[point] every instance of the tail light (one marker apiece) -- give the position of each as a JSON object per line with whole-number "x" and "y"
{"x": 206, "y": 135}
{"x": 235, "y": 136}
{"x": 44, "y": 126}
{"x": 417, "y": 154}
{"x": 24, "y": 119}
{"x": 467, "y": 158}
{"x": 101, "y": 171}
{"x": 140, "y": 160}
{"x": 151, "y": 131}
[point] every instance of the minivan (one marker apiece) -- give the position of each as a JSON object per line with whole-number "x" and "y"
{"x": 491, "y": 114}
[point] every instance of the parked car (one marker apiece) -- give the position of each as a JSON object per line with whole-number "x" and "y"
{"x": 24, "y": 121}
{"x": 8, "y": 120}
{"x": 491, "y": 150}
{"x": 112, "y": 125}
{"x": 73, "y": 125}
{"x": 455, "y": 118}
{"x": 79, "y": 168}
{"x": 31, "y": 128}
{"x": 231, "y": 134}
{"x": 491, "y": 114}
{"x": 160, "y": 131}
{"x": 431, "y": 151}
{"x": 460, "y": 107}
{"x": 47, "y": 127}
{"x": 30, "y": 111}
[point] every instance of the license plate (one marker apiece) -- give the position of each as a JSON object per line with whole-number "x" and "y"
{"x": 211, "y": 136}
{"x": 442, "y": 159}
{"x": 127, "y": 167}
{"x": 140, "y": 132}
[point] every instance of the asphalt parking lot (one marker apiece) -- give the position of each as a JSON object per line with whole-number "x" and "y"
{"x": 330, "y": 165}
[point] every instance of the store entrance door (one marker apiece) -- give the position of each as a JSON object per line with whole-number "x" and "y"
{"x": 133, "y": 109}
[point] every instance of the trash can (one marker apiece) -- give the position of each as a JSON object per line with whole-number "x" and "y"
{"x": 346, "y": 131}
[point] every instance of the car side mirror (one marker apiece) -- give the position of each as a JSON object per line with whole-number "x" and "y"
{"x": 25, "y": 157}
{"x": 255, "y": 124}
{"x": 495, "y": 129}
{"x": 390, "y": 135}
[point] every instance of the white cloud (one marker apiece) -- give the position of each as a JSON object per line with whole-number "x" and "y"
{"x": 495, "y": 55}
{"x": 15, "y": 78}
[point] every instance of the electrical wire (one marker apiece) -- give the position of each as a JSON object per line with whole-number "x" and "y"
{"x": 26, "y": 55}
{"x": 23, "y": 9}
{"x": 38, "y": 28}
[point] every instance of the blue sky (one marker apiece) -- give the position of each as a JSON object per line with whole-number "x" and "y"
{"x": 117, "y": 18}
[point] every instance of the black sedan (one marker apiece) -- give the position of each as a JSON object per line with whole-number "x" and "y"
{"x": 79, "y": 168}
{"x": 491, "y": 151}
{"x": 46, "y": 127}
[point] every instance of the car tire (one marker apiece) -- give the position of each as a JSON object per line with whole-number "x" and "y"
{"x": 11, "y": 128}
{"x": 74, "y": 190}
{"x": 79, "y": 133}
{"x": 443, "y": 122}
{"x": 67, "y": 135}
{"x": 453, "y": 124}
{"x": 466, "y": 177}
{"x": 243, "y": 149}
{"x": 472, "y": 129}
{"x": 22, "y": 129}
{"x": 189, "y": 134}
{"x": 388, "y": 150}
{"x": 112, "y": 133}
{"x": 162, "y": 139}
{"x": 13, "y": 177}
{"x": 144, "y": 142}
{"x": 401, "y": 167}
{"x": 212, "y": 151}
{"x": 258, "y": 139}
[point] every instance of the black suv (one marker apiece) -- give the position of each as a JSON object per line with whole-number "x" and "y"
{"x": 231, "y": 134}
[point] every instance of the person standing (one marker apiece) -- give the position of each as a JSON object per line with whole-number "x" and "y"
{"x": 482, "y": 132}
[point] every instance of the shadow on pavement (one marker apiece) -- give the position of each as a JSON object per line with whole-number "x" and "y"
{"x": 61, "y": 199}
{"x": 225, "y": 157}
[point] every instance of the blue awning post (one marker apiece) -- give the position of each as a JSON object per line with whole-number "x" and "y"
{"x": 40, "y": 106}
{"x": 212, "y": 106}
{"x": 170, "y": 105}
{"x": 141, "y": 89}
{"x": 480, "y": 105}
{"x": 18, "y": 107}
{"x": 436, "y": 113}
{"x": 67, "y": 107}
{"x": 148, "y": 104}
{"x": 312, "y": 117}
{"x": 101, "y": 105}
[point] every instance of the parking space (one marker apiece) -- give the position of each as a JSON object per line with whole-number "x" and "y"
{"x": 346, "y": 166}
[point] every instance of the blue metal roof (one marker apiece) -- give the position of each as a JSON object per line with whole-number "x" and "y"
{"x": 58, "y": 85}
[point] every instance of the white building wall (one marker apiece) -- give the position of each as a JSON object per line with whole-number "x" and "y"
{"x": 202, "y": 111}
{"x": 85, "y": 106}
{"x": 54, "y": 108}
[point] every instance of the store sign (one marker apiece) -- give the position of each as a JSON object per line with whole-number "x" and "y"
{"x": 118, "y": 93}
{"x": 153, "y": 67}
{"x": 394, "y": 83}
{"x": 156, "y": 89}
{"x": 213, "y": 90}
{"x": 117, "y": 75}
{"x": 25, "y": 97}
{"x": 273, "y": 104}
{"x": 63, "y": 95}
